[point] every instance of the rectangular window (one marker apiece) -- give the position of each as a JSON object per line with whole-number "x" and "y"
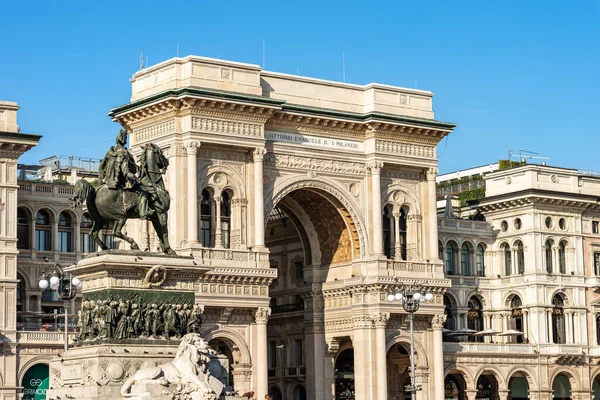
{"x": 225, "y": 234}
{"x": 42, "y": 240}
{"x": 205, "y": 232}
{"x": 64, "y": 241}
{"x": 297, "y": 353}
{"x": 299, "y": 267}
{"x": 595, "y": 227}
{"x": 109, "y": 241}
{"x": 272, "y": 355}
{"x": 597, "y": 263}
{"x": 86, "y": 243}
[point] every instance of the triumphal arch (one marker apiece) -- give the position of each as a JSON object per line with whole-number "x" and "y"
{"x": 305, "y": 198}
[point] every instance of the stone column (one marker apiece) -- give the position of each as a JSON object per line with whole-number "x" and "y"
{"x": 192, "y": 191}
{"x": 77, "y": 234}
{"x": 260, "y": 358}
{"x": 54, "y": 233}
{"x": 397, "y": 244}
{"x": 314, "y": 334}
{"x": 437, "y": 323}
{"x": 431, "y": 213}
{"x": 380, "y": 320}
{"x": 471, "y": 394}
{"x": 376, "y": 213}
{"x": 333, "y": 346}
{"x": 363, "y": 345}
{"x": 550, "y": 327}
{"x": 568, "y": 327}
{"x": 32, "y": 244}
{"x": 503, "y": 394}
{"x": 259, "y": 211}
{"x": 218, "y": 238}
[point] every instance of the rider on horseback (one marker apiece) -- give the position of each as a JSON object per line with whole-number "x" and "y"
{"x": 118, "y": 171}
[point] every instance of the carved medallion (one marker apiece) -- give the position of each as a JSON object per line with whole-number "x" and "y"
{"x": 156, "y": 276}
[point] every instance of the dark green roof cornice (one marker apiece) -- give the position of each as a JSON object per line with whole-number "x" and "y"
{"x": 20, "y": 136}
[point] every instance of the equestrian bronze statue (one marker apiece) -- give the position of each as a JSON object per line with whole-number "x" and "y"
{"x": 125, "y": 191}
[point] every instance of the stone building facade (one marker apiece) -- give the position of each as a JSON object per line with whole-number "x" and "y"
{"x": 306, "y": 198}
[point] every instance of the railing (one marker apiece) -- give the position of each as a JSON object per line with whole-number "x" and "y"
{"x": 460, "y": 187}
{"x": 561, "y": 349}
{"x": 58, "y": 256}
{"x": 416, "y": 269}
{"x": 44, "y": 338}
{"x": 47, "y": 189}
{"x": 508, "y": 348}
{"x": 463, "y": 225}
{"x": 287, "y": 308}
{"x": 295, "y": 371}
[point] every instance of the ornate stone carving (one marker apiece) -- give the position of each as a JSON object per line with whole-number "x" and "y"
{"x": 380, "y": 319}
{"x": 312, "y": 163}
{"x": 227, "y": 127}
{"x": 155, "y": 276}
{"x": 262, "y": 315}
{"x": 438, "y": 321}
{"x": 431, "y": 174}
{"x": 192, "y": 147}
{"x": 409, "y": 149}
{"x": 258, "y": 153}
{"x": 375, "y": 167}
{"x": 333, "y": 346}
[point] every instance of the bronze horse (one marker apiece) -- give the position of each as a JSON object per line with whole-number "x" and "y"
{"x": 105, "y": 205}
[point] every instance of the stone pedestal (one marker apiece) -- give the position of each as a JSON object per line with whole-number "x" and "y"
{"x": 99, "y": 363}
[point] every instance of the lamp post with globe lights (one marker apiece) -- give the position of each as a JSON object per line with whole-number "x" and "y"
{"x": 410, "y": 296}
{"x": 66, "y": 287}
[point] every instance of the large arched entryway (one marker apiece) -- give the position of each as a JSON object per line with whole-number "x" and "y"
{"x": 596, "y": 388}
{"x": 344, "y": 375}
{"x": 35, "y": 382}
{"x": 487, "y": 387}
{"x": 561, "y": 387}
{"x": 518, "y": 387}
{"x": 312, "y": 239}
{"x": 454, "y": 387}
{"x": 398, "y": 367}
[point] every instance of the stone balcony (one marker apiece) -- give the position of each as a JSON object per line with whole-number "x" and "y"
{"x": 56, "y": 256}
{"x": 44, "y": 338}
{"x": 216, "y": 257}
{"x": 45, "y": 189}
{"x": 557, "y": 350}
{"x": 464, "y": 227}
{"x": 414, "y": 269}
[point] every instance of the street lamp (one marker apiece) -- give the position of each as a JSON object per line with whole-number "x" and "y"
{"x": 410, "y": 296}
{"x": 66, "y": 287}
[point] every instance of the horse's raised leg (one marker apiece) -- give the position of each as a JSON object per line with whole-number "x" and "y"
{"x": 97, "y": 226}
{"x": 118, "y": 232}
{"x": 162, "y": 230}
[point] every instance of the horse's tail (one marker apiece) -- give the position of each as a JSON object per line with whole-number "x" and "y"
{"x": 83, "y": 190}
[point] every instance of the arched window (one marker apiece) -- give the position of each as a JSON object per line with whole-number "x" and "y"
{"x": 520, "y": 257}
{"x": 451, "y": 258}
{"x": 516, "y": 316}
{"x": 475, "y": 317}
{"x": 402, "y": 233}
{"x": 598, "y": 329}
{"x": 558, "y": 320}
{"x": 387, "y": 223}
{"x": 548, "y": 256}
{"x": 65, "y": 232}
{"x": 562, "y": 262}
{"x": 42, "y": 231}
{"x": 299, "y": 393}
{"x": 86, "y": 242}
{"x": 22, "y": 228}
{"x": 507, "y": 259}
{"x": 205, "y": 218}
{"x": 465, "y": 260}
{"x": 480, "y": 260}
{"x": 226, "y": 219}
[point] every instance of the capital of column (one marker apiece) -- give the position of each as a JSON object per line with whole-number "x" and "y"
{"x": 259, "y": 153}
{"x": 333, "y": 346}
{"x": 262, "y": 315}
{"x": 431, "y": 173}
{"x": 438, "y": 320}
{"x": 192, "y": 147}
{"x": 375, "y": 167}
{"x": 380, "y": 319}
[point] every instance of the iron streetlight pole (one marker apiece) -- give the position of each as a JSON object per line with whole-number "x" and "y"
{"x": 411, "y": 297}
{"x": 65, "y": 286}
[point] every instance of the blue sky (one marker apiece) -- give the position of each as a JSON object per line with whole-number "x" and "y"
{"x": 512, "y": 74}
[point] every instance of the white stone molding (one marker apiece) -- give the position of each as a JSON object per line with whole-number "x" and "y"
{"x": 314, "y": 164}
{"x": 296, "y": 182}
{"x": 219, "y": 126}
{"x": 431, "y": 173}
{"x": 234, "y": 339}
{"x": 380, "y": 319}
{"x": 192, "y": 147}
{"x": 154, "y": 131}
{"x": 438, "y": 321}
{"x": 258, "y": 154}
{"x": 374, "y": 167}
{"x": 407, "y": 149}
